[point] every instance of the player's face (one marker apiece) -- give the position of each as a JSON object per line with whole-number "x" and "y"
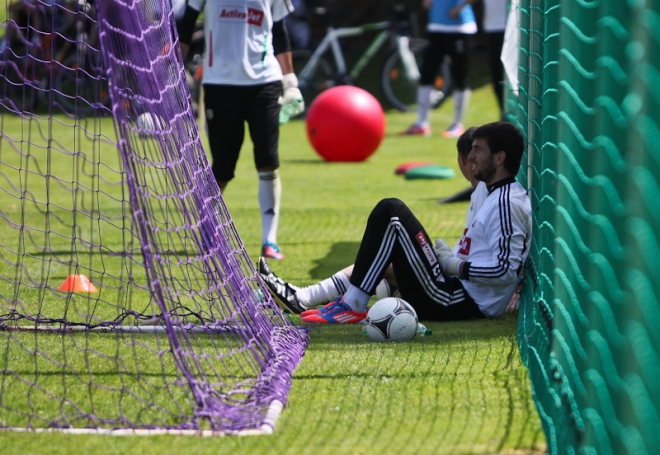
{"x": 482, "y": 161}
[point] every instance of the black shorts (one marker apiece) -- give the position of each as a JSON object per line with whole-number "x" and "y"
{"x": 454, "y": 45}
{"x": 227, "y": 109}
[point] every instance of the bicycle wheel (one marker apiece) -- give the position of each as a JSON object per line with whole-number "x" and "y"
{"x": 320, "y": 79}
{"x": 401, "y": 91}
{"x": 81, "y": 88}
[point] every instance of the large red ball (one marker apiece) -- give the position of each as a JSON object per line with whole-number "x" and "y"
{"x": 345, "y": 123}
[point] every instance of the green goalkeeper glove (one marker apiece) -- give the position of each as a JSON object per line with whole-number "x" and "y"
{"x": 291, "y": 100}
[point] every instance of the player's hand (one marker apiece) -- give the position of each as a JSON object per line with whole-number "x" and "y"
{"x": 291, "y": 95}
{"x": 450, "y": 264}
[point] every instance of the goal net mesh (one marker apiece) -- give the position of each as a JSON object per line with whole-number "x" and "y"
{"x": 127, "y": 299}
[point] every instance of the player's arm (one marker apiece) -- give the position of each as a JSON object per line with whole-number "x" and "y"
{"x": 186, "y": 26}
{"x": 282, "y": 49}
{"x": 282, "y": 46}
{"x": 455, "y": 11}
{"x": 507, "y": 242}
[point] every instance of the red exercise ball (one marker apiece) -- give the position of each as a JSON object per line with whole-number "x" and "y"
{"x": 345, "y": 123}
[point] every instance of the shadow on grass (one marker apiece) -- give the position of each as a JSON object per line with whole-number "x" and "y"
{"x": 341, "y": 255}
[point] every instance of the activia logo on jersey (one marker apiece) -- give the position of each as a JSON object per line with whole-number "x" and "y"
{"x": 239, "y": 14}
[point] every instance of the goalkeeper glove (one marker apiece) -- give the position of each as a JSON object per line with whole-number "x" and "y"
{"x": 450, "y": 264}
{"x": 292, "y": 100}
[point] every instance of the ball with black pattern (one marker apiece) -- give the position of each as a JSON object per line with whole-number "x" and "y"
{"x": 391, "y": 319}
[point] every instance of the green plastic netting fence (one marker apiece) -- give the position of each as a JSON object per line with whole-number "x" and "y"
{"x": 589, "y": 328}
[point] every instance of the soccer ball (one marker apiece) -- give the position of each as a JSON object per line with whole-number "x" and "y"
{"x": 391, "y": 319}
{"x": 385, "y": 289}
{"x": 147, "y": 124}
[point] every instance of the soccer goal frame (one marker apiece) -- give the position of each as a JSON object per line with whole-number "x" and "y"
{"x": 128, "y": 302}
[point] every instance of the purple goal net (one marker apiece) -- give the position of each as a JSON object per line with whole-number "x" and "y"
{"x": 128, "y": 303}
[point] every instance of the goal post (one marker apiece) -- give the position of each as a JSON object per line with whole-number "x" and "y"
{"x": 128, "y": 303}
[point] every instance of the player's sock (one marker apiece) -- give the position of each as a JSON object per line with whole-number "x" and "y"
{"x": 270, "y": 194}
{"x": 324, "y": 291}
{"x": 424, "y": 94}
{"x": 461, "y": 101}
{"x": 356, "y": 298}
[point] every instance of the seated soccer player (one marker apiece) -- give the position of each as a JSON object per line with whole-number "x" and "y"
{"x": 477, "y": 279}
{"x": 296, "y": 300}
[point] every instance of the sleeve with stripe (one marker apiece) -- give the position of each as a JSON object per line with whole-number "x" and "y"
{"x": 508, "y": 228}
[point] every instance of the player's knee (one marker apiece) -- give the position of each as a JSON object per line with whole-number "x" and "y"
{"x": 387, "y": 207}
{"x": 221, "y": 174}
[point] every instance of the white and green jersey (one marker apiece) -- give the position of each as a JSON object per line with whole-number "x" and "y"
{"x": 239, "y": 41}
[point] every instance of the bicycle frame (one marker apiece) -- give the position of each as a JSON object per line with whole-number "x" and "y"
{"x": 331, "y": 40}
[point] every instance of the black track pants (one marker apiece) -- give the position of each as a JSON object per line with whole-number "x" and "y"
{"x": 394, "y": 235}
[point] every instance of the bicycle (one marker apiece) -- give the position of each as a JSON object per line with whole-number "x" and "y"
{"x": 399, "y": 76}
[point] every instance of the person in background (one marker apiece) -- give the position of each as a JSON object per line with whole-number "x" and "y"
{"x": 447, "y": 36}
{"x": 494, "y": 25}
{"x": 248, "y": 77}
{"x": 178, "y": 8}
{"x": 297, "y": 23}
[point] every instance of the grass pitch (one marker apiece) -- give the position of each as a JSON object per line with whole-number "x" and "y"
{"x": 462, "y": 390}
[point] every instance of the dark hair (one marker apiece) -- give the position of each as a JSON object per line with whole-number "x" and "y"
{"x": 464, "y": 143}
{"x": 503, "y": 136}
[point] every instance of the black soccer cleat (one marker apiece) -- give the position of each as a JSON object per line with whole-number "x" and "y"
{"x": 263, "y": 267}
{"x": 283, "y": 293}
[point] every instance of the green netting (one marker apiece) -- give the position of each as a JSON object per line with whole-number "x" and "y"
{"x": 589, "y": 330}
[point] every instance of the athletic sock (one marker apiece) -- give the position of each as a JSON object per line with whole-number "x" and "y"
{"x": 356, "y": 298}
{"x": 270, "y": 194}
{"x": 424, "y": 94}
{"x": 461, "y": 101}
{"x": 324, "y": 291}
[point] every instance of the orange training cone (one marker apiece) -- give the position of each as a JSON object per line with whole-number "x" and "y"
{"x": 77, "y": 283}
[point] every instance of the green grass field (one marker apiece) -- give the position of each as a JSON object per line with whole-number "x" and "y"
{"x": 462, "y": 390}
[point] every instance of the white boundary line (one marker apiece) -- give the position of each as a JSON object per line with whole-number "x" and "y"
{"x": 266, "y": 428}
{"x": 117, "y": 328}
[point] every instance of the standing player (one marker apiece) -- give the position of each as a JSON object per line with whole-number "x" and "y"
{"x": 247, "y": 69}
{"x": 475, "y": 280}
{"x": 494, "y": 24}
{"x": 447, "y": 37}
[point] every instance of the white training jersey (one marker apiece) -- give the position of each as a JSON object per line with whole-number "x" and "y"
{"x": 495, "y": 15}
{"x": 496, "y": 244}
{"x": 239, "y": 41}
{"x": 477, "y": 199}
